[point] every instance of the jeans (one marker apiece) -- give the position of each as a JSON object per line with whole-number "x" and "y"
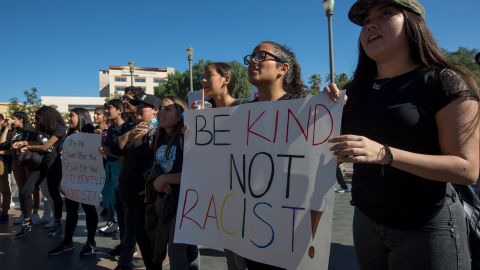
{"x": 340, "y": 179}
{"x": 72, "y": 219}
{"x": 134, "y": 232}
{"x": 441, "y": 244}
{"x": 52, "y": 171}
{"x": 6, "y": 194}
{"x": 112, "y": 169}
{"x": 22, "y": 175}
{"x": 182, "y": 256}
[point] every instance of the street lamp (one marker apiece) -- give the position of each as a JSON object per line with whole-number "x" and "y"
{"x": 328, "y": 6}
{"x": 131, "y": 67}
{"x": 190, "y": 57}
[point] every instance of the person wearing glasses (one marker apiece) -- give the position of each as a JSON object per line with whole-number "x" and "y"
{"x": 410, "y": 126}
{"x": 274, "y": 70}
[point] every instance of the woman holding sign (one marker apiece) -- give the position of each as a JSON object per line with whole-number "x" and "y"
{"x": 168, "y": 149}
{"x": 219, "y": 84}
{"x": 80, "y": 121}
{"x": 410, "y": 127}
{"x": 274, "y": 70}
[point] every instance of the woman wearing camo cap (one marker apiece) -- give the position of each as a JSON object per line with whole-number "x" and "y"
{"x": 410, "y": 127}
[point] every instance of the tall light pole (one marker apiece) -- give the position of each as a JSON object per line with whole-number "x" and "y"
{"x": 328, "y": 6}
{"x": 190, "y": 58}
{"x": 131, "y": 67}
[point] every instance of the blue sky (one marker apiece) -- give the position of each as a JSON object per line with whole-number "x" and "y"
{"x": 58, "y": 46}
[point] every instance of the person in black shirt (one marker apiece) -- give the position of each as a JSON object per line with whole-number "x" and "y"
{"x": 5, "y": 168}
{"x": 274, "y": 70}
{"x": 410, "y": 126}
{"x": 51, "y": 131}
{"x": 135, "y": 148}
{"x": 80, "y": 121}
{"x": 168, "y": 149}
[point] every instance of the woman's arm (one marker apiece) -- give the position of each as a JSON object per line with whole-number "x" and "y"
{"x": 162, "y": 183}
{"x": 458, "y": 133}
{"x": 43, "y": 147}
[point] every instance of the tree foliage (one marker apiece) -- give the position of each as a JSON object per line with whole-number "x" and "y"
{"x": 341, "y": 80}
{"x": 466, "y": 57}
{"x": 315, "y": 84}
{"x": 178, "y": 83}
{"x": 31, "y": 104}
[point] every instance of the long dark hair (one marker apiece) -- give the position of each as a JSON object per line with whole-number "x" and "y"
{"x": 25, "y": 119}
{"x": 224, "y": 69}
{"x": 176, "y": 137}
{"x": 51, "y": 119}
{"x": 84, "y": 122}
{"x": 424, "y": 51}
{"x": 292, "y": 82}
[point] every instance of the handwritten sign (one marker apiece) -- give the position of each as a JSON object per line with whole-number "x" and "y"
{"x": 83, "y": 175}
{"x": 258, "y": 179}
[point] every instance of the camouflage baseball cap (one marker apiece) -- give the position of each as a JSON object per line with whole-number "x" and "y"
{"x": 360, "y": 9}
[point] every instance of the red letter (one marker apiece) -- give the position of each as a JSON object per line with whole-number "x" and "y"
{"x": 315, "y": 121}
{"x": 304, "y": 131}
{"x": 184, "y": 215}
{"x": 212, "y": 201}
{"x": 249, "y": 127}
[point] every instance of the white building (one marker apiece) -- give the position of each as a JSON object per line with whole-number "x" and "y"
{"x": 117, "y": 78}
{"x": 65, "y": 104}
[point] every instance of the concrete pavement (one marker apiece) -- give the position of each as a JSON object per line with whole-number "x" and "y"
{"x": 31, "y": 251}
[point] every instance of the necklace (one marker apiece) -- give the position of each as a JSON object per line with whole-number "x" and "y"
{"x": 378, "y": 84}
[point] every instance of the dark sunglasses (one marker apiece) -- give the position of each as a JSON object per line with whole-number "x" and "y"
{"x": 261, "y": 56}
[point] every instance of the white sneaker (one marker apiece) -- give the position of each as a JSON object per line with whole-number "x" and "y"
{"x": 46, "y": 219}
{"x": 36, "y": 219}
{"x": 111, "y": 227}
{"x": 19, "y": 220}
{"x": 50, "y": 224}
{"x": 12, "y": 204}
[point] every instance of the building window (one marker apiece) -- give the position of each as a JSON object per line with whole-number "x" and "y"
{"x": 158, "y": 80}
{"x": 120, "y": 79}
{"x": 141, "y": 79}
{"x": 120, "y": 89}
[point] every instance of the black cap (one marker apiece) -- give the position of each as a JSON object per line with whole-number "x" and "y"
{"x": 149, "y": 100}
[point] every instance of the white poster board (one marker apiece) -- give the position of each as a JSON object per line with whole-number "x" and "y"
{"x": 256, "y": 177}
{"x": 83, "y": 175}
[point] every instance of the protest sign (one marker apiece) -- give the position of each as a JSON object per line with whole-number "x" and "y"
{"x": 258, "y": 179}
{"x": 83, "y": 176}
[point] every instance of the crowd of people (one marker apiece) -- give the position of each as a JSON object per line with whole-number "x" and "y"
{"x": 410, "y": 126}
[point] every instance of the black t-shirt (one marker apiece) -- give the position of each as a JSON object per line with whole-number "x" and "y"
{"x": 20, "y": 134}
{"x": 137, "y": 158}
{"x": 171, "y": 163}
{"x": 60, "y": 132}
{"x": 401, "y": 114}
{"x": 112, "y": 134}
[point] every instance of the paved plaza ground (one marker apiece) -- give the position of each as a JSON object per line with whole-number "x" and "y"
{"x": 31, "y": 251}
